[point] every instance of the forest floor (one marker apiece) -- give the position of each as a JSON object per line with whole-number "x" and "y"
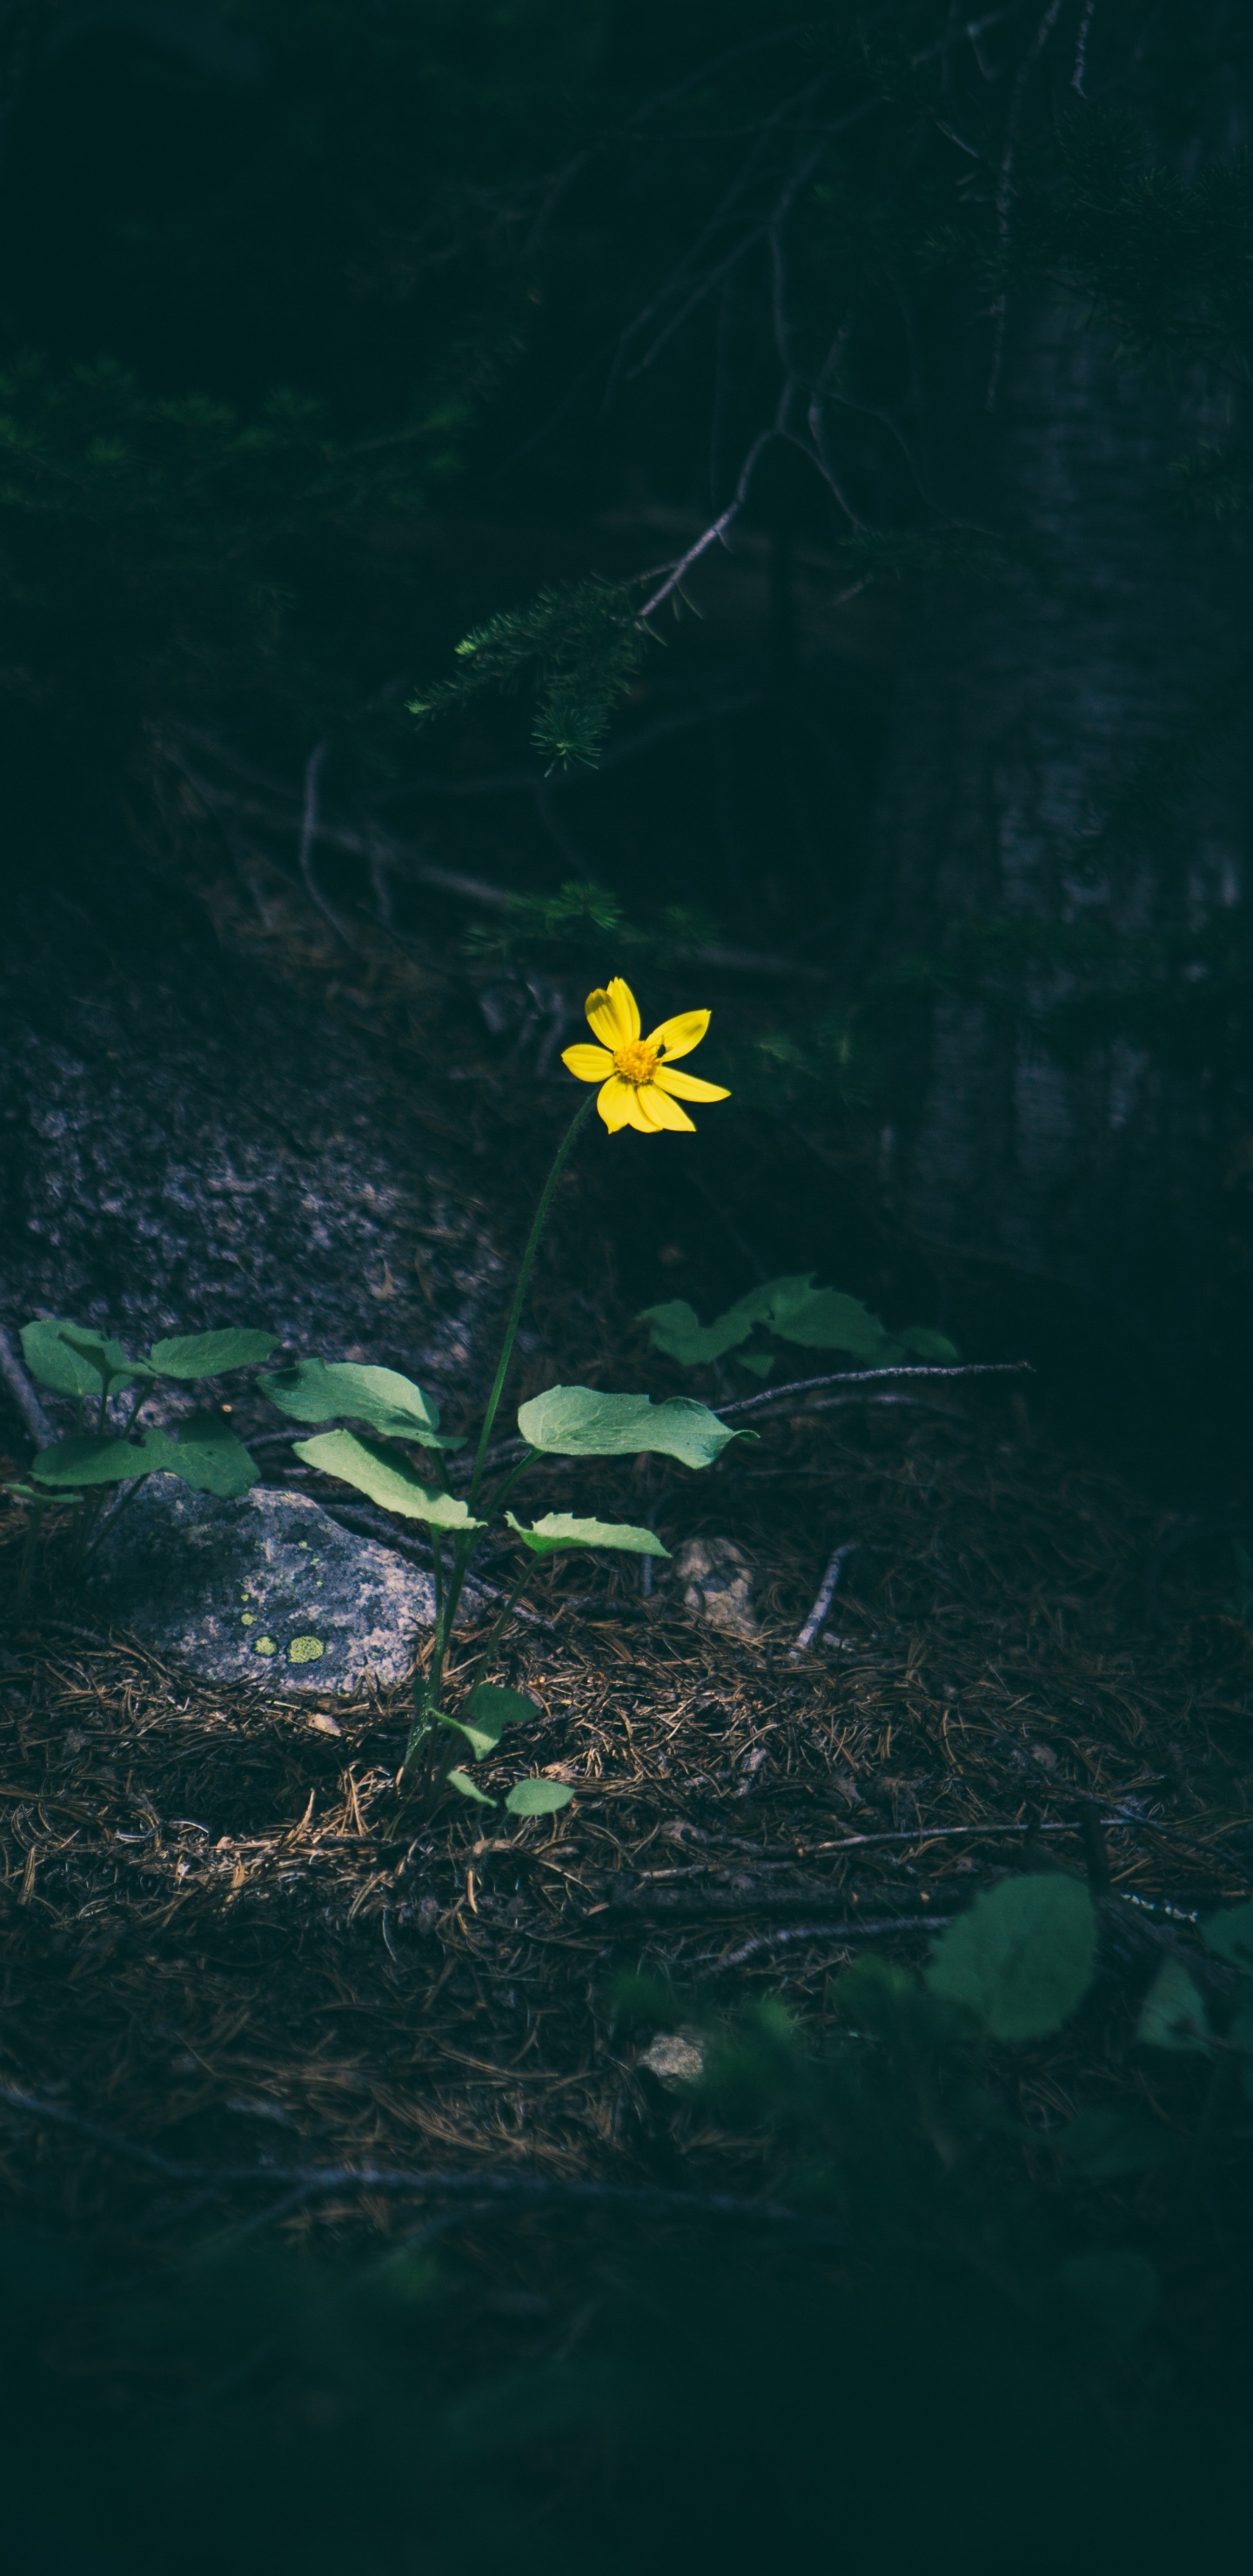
{"x": 246, "y": 2002}
{"x": 217, "y": 1948}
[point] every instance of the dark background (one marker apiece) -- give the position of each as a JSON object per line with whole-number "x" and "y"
{"x": 330, "y": 332}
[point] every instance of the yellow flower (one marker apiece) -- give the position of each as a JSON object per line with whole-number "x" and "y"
{"x": 639, "y": 1088}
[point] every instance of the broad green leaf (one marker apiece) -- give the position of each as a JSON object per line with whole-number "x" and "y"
{"x": 1021, "y": 1958}
{"x": 468, "y": 1788}
{"x": 386, "y": 1477}
{"x": 191, "y": 1355}
{"x": 1230, "y": 1935}
{"x": 346, "y": 1390}
{"x": 57, "y": 1364}
{"x": 1173, "y": 2014}
{"x": 538, "y": 1797}
{"x": 207, "y": 1454}
{"x": 92, "y": 1458}
{"x": 580, "y": 1422}
{"x": 1116, "y": 2292}
{"x": 560, "y": 1529}
{"x": 107, "y": 1360}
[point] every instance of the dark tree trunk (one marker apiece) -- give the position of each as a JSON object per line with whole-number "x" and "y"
{"x": 1027, "y": 709}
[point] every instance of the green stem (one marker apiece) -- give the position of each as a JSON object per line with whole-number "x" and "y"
{"x": 519, "y": 1296}
{"x": 428, "y": 1686}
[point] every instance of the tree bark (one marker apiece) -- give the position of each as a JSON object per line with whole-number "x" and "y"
{"x": 1025, "y": 707}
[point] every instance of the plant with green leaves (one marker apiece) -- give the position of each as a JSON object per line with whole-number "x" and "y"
{"x": 788, "y": 1310}
{"x": 106, "y": 1450}
{"x": 1178, "y": 2017}
{"x": 901, "y": 2125}
{"x": 380, "y": 1419}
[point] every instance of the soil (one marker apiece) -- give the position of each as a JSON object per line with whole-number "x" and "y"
{"x": 228, "y": 1945}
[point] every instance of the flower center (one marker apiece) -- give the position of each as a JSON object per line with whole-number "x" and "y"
{"x": 636, "y": 1063}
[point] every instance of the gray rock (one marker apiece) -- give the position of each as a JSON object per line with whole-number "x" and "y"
{"x": 717, "y": 1581}
{"x": 188, "y": 1142}
{"x": 267, "y": 1590}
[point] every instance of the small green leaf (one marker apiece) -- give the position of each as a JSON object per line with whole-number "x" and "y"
{"x": 758, "y": 1363}
{"x": 346, "y": 1390}
{"x": 560, "y": 1529}
{"x": 488, "y": 1711}
{"x": 491, "y": 1708}
{"x": 468, "y": 1788}
{"x": 1173, "y": 2012}
{"x": 538, "y": 1797}
{"x": 386, "y": 1476}
{"x": 816, "y": 1318}
{"x": 1021, "y": 1958}
{"x": 107, "y": 1360}
{"x": 678, "y": 1331}
{"x": 580, "y": 1422}
{"x": 191, "y": 1355}
{"x": 1230, "y": 1935}
{"x": 480, "y": 1744}
{"x": 59, "y": 1364}
{"x": 824, "y": 1319}
{"x": 926, "y": 1345}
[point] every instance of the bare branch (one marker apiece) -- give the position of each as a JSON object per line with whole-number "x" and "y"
{"x": 21, "y": 1388}
{"x": 826, "y": 1595}
{"x": 907, "y": 1368}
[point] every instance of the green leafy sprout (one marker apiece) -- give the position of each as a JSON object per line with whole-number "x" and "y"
{"x": 376, "y": 1431}
{"x": 788, "y": 1310}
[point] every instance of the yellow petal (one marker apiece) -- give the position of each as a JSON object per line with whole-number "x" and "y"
{"x": 662, "y": 1112}
{"x": 638, "y": 1113}
{"x": 688, "y": 1086}
{"x": 613, "y": 1014}
{"x": 589, "y": 1063}
{"x": 679, "y": 1036}
{"x": 616, "y": 1103}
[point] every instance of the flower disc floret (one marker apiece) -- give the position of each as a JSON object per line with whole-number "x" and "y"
{"x": 636, "y": 1062}
{"x": 638, "y": 1085}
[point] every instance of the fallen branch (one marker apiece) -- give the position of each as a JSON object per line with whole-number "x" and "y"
{"x": 830, "y": 1932}
{"x": 906, "y": 1368}
{"x": 489, "y": 2189}
{"x": 826, "y": 1595}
